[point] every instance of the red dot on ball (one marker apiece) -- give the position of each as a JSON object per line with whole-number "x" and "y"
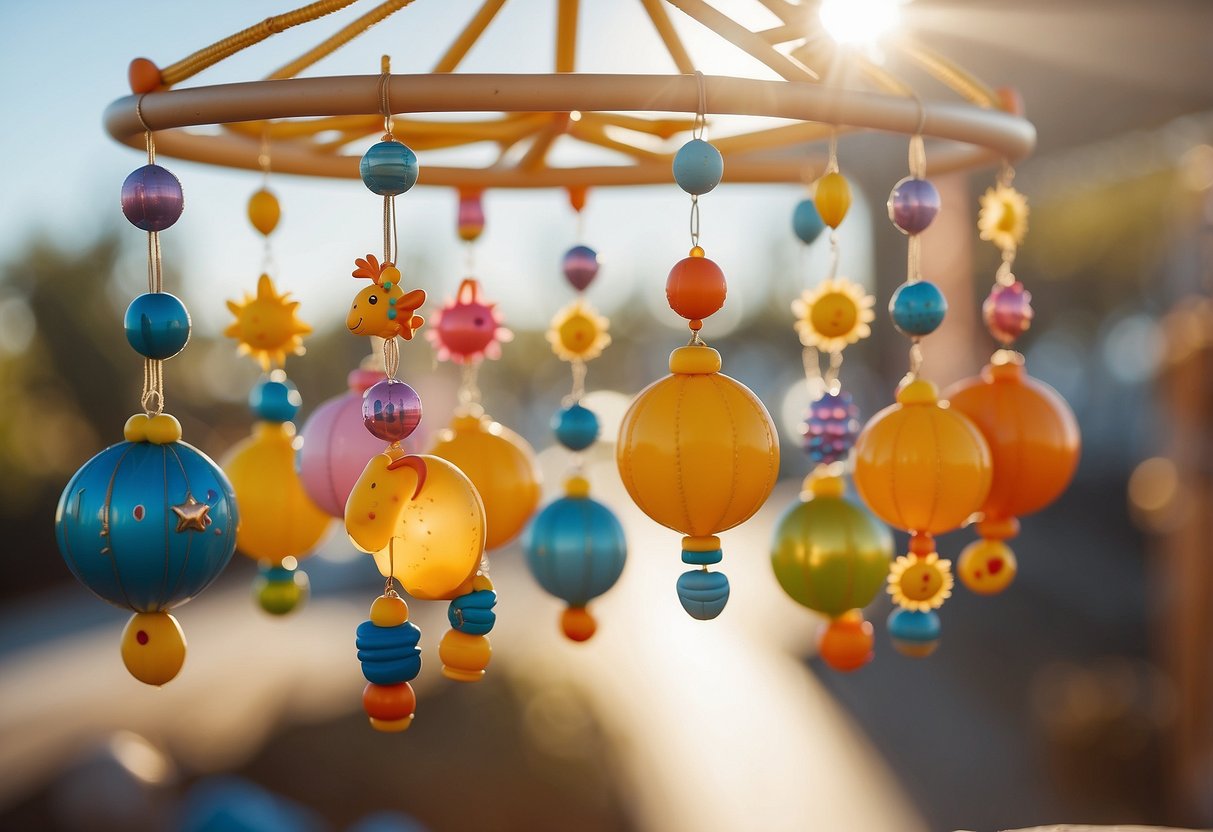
{"x": 141, "y": 637}
{"x": 695, "y": 288}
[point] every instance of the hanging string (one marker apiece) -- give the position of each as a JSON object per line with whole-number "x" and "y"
{"x": 694, "y": 220}
{"x": 832, "y": 160}
{"x": 577, "y": 393}
{"x": 469, "y": 389}
{"x": 268, "y": 266}
{"x": 391, "y": 356}
{"x": 701, "y": 118}
{"x": 1005, "y": 276}
{"x": 391, "y": 241}
{"x": 152, "y": 397}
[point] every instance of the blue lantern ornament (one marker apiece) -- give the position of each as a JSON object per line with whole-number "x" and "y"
{"x": 806, "y": 221}
{"x": 389, "y": 168}
{"x": 147, "y": 524}
{"x": 698, "y": 167}
{"x": 918, "y": 308}
{"x": 576, "y": 550}
{"x": 576, "y": 427}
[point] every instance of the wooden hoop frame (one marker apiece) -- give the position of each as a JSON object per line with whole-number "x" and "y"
{"x": 972, "y": 136}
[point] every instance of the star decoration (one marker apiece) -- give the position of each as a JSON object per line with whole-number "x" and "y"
{"x": 192, "y": 515}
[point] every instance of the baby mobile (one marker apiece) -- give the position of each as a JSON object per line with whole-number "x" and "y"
{"x": 150, "y": 522}
{"x": 418, "y": 515}
{"x": 697, "y": 451}
{"x": 499, "y": 462}
{"x": 575, "y": 547}
{"x": 919, "y": 465}
{"x": 1032, "y": 433}
{"x": 828, "y": 553}
{"x": 279, "y": 522}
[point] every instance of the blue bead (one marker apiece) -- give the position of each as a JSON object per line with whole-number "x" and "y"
{"x": 575, "y": 548}
{"x": 698, "y": 167}
{"x": 806, "y": 222}
{"x": 117, "y": 530}
{"x": 918, "y": 308}
{"x": 389, "y": 168}
{"x": 703, "y": 594}
{"x": 913, "y": 625}
{"x": 157, "y": 325}
{"x": 389, "y": 655}
{"x": 274, "y": 401}
{"x": 576, "y": 427}
{"x": 702, "y": 558}
{"x": 473, "y": 613}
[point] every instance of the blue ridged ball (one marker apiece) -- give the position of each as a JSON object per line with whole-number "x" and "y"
{"x": 575, "y": 548}
{"x": 698, "y": 167}
{"x": 117, "y": 530}
{"x": 274, "y": 401}
{"x": 576, "y": 427}
{"x": 703, "y": 594}
{"x": 914, "y": 633}
{"x": 389, "y": 168}
{"x": 157, "y": 325}
{"x": 389, "y": 655}
{"x": 918, "y": 308}
{"x": 473, "y": 613}
{"x": 806, "y": 222}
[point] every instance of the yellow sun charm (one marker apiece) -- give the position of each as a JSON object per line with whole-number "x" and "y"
{"x": 266, "y": 326}
{"x": 1003, "y": 218}
{"x": 834, "y": 314}
{"x": 578, "y": 333}
{"x": 920, "y": 582}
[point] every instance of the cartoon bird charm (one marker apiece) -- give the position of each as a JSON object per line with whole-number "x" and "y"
{"x": 383, "y": 308}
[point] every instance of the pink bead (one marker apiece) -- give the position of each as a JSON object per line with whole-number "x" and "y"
{"x": 1008, "y": 311}
{"x": 391, "y": 410}
{"x": 336, "y": 446}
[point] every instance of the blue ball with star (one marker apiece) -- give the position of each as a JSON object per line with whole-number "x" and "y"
{"x": 147, "y": 526}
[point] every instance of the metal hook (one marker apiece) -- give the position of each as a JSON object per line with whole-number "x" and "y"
{"x": 701, "y": 117}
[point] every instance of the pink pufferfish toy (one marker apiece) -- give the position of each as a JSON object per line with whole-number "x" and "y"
{"x": 467, "y": 328}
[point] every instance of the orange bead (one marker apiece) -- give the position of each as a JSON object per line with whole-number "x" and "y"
{"x": 389, "y": 702}
{"x": 1032, "y": 434}
{"x": 695, "y": 288}
{"x": 846, "y": 644}
{"x": 578, "y": 624}
{"x": 144, "y": 76}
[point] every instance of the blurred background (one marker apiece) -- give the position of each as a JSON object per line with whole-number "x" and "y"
{"x": 1085, "y": 693}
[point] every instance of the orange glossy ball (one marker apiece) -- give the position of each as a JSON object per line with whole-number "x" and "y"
{"x": 695, "y": 288}
{"x": 846, "y": 644}
{"x": 578, "y": 624}
{"x": 389, "y": 702}
{"x": 1032, "y": 433}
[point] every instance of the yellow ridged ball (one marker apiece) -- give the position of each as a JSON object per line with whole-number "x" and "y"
{"x": 501, "y": 465}
{"x": 389, "y": 611}
{"x": 464, "y": 657}
{"x": 277, "y": 517}
{"x": 153, "y": 647}
{"x": 264, "y": 211}
{"x": 920, "y": 466}
{"x": 697, "y": 450}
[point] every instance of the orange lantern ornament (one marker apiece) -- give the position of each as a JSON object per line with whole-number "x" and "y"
{"x": 1034, "y": 444}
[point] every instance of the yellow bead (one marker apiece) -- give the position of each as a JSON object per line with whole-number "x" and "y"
{"x": 918, "y": 391}
{"x": 577, "y": 487}
{"x": 464, "y": 657}
{"x": 825, "y": 485}
{"x": 833, "y": 198}
{"x": 264, "y": 212}
{"x": 136, "y": 428}
{"x": 987, "y": 567}
{"x": 697, "y": 251}
{"x": 695, "y": 361}
{"x": 481, "y": 582}
{"x": 391, "y": 726}
{"x": 153, "y": 647}
{"x": 389, "y": 611}
{"x": 163, "y": 429}
{"x": 700, "y": 543}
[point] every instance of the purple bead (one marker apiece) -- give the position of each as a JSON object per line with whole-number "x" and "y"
{"x": 1008, "y": 311}
{"x": 830, "y": 428}
{"x": 913, "y": 203}
{"x": 391, "y": 410}
{"x": 151, "y": 198}
{"x": 580, "y": 266}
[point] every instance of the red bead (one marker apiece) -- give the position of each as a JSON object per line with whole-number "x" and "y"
{"x": 144, "y": 76}
{"x": 389, "y": 702}
{"x": 695, "y": 288}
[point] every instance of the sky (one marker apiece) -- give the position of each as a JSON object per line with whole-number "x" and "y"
{"x": 63, "y": 64}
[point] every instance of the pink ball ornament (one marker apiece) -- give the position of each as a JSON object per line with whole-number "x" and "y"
{"x": 1008, "y": 311}
{"x": 336, "y": 446}
{"x": 391, "y": 410}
